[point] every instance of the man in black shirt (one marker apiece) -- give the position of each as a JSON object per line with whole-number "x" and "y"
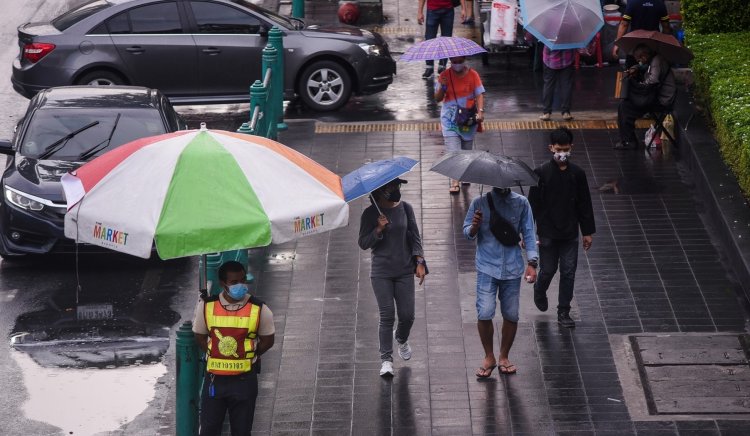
{"x": 643, "y": 14}
{"x": 561, "y": 204}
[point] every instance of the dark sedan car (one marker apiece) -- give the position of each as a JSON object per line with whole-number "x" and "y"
{"x": 63, "y": 128}
{"x": 198, "y": 51}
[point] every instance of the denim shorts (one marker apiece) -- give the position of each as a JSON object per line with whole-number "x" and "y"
{"x": 457, "y": 143}
{"x": 489, "y": 289}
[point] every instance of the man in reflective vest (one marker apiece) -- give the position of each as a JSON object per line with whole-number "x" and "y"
{"x": 234, "y": 329}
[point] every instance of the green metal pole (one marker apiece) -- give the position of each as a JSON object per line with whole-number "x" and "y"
{"x": 257, "y": 98}
{"x": 275, "y": 38}
{"x": 245, "y": 128}
{"x": 298, "y": 8}
{"x": 270, "y": 55}
{"x": 188, "y": 380}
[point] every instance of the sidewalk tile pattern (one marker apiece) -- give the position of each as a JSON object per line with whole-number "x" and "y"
{"x": 653, "y": 268}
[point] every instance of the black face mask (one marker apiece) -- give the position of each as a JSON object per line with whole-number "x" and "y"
{"x": 503, "y": 192}
{"x": 393, "y": 196}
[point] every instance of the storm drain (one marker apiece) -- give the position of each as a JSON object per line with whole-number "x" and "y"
{"x": 694, "y": 374}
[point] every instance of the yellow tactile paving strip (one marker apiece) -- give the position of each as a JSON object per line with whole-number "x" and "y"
{"x": 490, "y": 125}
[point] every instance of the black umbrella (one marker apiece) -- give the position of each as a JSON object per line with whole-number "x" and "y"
{"x": 485, "y": 168}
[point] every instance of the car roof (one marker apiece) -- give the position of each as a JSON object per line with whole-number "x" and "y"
{"x": 98, "y": 96}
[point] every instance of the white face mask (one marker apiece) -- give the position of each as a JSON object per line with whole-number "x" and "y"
{"x": 458, "y": 67}
{"x": 562, "y": 156}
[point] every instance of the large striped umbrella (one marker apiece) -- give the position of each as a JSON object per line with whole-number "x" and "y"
{"x": 200, "y": 191}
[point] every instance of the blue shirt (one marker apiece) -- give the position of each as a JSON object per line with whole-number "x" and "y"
{"x": 492, "y": 257}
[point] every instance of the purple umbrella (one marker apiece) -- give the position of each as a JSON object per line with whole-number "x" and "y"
{"x": 442, "y": 47}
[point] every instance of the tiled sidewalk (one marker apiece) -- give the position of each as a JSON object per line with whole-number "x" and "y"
{"x": 653, "y": 269}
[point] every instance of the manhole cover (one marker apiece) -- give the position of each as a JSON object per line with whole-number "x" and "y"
{"x": 694, "y": 374}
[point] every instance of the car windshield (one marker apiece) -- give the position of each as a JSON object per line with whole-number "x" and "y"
{"x": 79, "y": 13}
{"x": 49, "y": 125}
{"x": 280, "y": 20}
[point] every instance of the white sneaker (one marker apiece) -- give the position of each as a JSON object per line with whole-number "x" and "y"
{"x": 404, "y": 350}
{"x": 386, "y": 368}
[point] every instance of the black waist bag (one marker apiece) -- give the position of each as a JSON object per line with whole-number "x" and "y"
{"x": 502, "y": 228}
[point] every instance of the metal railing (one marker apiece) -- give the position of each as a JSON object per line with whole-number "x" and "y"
{"x": 267, "y": 97}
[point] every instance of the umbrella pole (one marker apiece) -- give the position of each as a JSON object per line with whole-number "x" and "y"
{"x": 481, "y": 188}
{"x": 519, "y": 185}
{"x": 204, "y": 273}
{"x": 376, "y": 204}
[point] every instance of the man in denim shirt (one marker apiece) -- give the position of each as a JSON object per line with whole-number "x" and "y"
{"x": 499, "y": 271}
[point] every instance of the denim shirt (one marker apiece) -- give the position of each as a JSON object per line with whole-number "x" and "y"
{"x": 492, "y": 257}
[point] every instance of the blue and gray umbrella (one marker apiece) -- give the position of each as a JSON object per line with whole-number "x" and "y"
{"x": 373, "y": 175}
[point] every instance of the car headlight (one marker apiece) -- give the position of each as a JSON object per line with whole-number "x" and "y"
{"x": 372, "y": 49}
{"x": 22, "y": 200}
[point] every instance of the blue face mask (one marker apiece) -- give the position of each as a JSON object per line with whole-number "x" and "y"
{"x": 237, "y": 291}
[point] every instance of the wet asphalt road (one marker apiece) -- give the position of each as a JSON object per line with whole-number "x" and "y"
{"x": 63, "y": 376}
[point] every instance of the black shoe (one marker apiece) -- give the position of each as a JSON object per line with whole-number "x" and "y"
{"x": 427, "y": 74}
{"x": 564, "y": 319}
{"x": 623, "y": 145}
{"x": 540, "y": 300}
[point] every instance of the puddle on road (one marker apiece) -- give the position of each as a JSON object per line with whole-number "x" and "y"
{"x": 87, "y": 401}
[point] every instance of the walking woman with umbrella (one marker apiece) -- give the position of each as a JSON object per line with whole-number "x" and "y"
{"x": 389, "y": 229}
{"x": 459, "y": 88}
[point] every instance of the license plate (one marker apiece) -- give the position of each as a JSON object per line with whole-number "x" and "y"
{"x": 88, "y": 312}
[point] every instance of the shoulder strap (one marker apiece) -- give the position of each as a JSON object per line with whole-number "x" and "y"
{"x": 489, "y": 200}
{"x": 205, "y": 297}
{"x": 408, "y": 209}
{"x": 256, "y": 301}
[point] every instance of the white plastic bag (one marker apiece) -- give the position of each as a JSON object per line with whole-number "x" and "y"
{"x": 651, "y": 134}
{"x": 503, "y": 16}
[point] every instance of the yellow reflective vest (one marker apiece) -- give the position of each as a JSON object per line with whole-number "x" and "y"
{"x": 231, "y": 334}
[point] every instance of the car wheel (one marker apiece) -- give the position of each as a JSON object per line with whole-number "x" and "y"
{"x": 101, "y": 78}
{"x": 325, "y": 86}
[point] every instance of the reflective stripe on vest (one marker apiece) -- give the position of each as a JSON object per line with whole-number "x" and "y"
{"x": 230, "y": 337}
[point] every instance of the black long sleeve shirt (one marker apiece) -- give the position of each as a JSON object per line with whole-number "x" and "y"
{"x": 561, "y": 202}
{"x": 394, "y": 251}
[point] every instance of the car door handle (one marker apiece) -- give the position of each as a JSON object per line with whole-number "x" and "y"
{"x": 211, "y": 51}
{"x": 136, "y": 49}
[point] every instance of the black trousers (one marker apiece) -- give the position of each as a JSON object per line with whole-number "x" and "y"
{"x": 627, "y": 113}
{"x": 561, "y": 80}
{"x": 235, "y": 394}
{"x": 554, "y": 252}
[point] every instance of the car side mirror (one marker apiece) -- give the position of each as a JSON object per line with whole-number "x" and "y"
{"x": 263, "y": 31}
{"x": 6, "y": 147}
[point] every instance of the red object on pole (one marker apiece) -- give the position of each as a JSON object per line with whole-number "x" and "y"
{"x": 348, "y": 12}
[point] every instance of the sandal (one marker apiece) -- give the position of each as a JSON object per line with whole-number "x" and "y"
{"x": 508, "y": 369}
{"x": 545, "y": 116}
{"x": 483, "y": 372}
{"x": 567, "y": 116}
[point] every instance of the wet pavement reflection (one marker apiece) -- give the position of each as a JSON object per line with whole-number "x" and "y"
{"x": 87, "y": 401}
{"x": 513, "y": 91}
{"x": 92, "y": 359}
